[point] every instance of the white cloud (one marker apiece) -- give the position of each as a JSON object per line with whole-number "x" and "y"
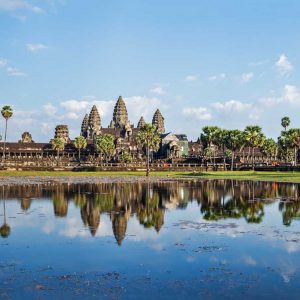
{"x": 18, "y": 5}
{"x": 35, "y": 47}
{"x": 3, "y": 63}
{"x": 199, "y": 113}
{"x": 283, "y": 65}
{"x": 50, "y": 110}
{"x": 191, "y": 78}
{"x": 246, "y": 77}
{"x": 15, "y": 72}
{"x": 220, "y": 76}
{"x": 158, "y": 89}
{"x": 232, "y": 105}
{"x": 290, "y": 95}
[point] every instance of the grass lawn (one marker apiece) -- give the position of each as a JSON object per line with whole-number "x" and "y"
{"x": 240, "y": 175}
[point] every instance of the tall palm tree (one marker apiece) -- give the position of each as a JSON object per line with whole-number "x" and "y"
{"x": 220, "y": 140}
{"x": 58, "y": 144}
{"x": 234, "y": 140}
{"x": 105, "y": 144}
{"x": 80, "y": 143}
{"x": 269, "y": 148}
{"x": 285, "y": 122}
{"x": 254, "y": 138}
{"x": 293, "y": 136}
{"x": 148, "y": 137}
{"x": 209, "y": 138}
{"x": 7, "y": 113}
{"x": 5, "y": 228}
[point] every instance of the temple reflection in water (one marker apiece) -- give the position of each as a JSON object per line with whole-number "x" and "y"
{"x": 217, "y": 200}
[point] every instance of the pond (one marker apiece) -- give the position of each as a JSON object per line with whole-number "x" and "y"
{"x": 204, "y": 239}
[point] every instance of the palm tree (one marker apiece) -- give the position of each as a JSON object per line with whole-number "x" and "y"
{"x": 5, "y": 228}
{"x": 105, "y": 144}
{"x": 209, "y": 138}
{"x": 293, "y": 136}
{"x": 58, "y": 144}
{"x": 254, "y": 138}
{"x": 269, "y": 148}
{"x": 7, "y": 113}
{"x": 148, "y": 137}
{"x": 285, "y": 122}
{"x": 80, "y": 143}
{"x": 220, "y": 141}
{"x": 234, "y": 140}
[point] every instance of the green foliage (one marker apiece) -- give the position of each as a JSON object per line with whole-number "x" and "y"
{"x": 253, "y": 136}
{"x": 285, "y": 122}
{"x": 269, "y": 148}
{"x": 6, "y": 112}
{"x": 148, "y": 136}
{"x": 80, "y": 142}
{"x": 126, "y": 157}
{"x": 58, "y": 144}
{"x": 105, "y": 144}
{"x": 209, "y": 136}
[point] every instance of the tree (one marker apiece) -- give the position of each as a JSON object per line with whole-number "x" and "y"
{"x": 269, "y": 148}
{"x": 80, "y": 143}
{"x": 234, "y": 140}
{"x": 105, "y": 144}
{"x": 209, "y": 138}
{"x": 7, "y": 113}
{"x": 285, "y": 122}
{"x": 148, "y": 137}
{"x": 5, "y": 228}
{"x": 293, "y": 138}
{"x": 126, "y": 157}
{"x": 254, "y": 138}
{"x": 220, "y": 140}
{"x": 58, "y": 144}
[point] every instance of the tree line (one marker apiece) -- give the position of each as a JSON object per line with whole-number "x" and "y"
{"x": 215, "y": 140}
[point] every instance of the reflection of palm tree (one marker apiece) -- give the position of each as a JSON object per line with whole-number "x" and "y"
{"x": 290, "y": 211}
{"x": 4, "y": 229}
{"x": 25, "y": 203}
{"x": 60, "y": 205}
{"x": 90, "y": 215}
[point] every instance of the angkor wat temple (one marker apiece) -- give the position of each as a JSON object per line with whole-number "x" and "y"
{"x": 27, "y": 153}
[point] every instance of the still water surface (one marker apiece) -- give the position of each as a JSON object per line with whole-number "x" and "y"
{"x": 204, "y": 240}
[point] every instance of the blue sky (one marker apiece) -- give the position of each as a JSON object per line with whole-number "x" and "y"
{"x": 229, "y": 63}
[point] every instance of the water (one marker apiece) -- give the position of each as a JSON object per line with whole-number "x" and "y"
{"x": 210, "y": 239}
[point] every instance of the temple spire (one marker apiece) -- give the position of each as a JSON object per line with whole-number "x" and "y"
{"x": 85, "y": 126}
{"x": 158, "y": 121}
{"x": 120, "y": 115}
{"x": 94, "y": 123}
{"x": 141, "y": 122}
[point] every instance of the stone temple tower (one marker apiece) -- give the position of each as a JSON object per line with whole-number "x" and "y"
{"x": 120, "y": 115}
{"x": 85, "y": 126}
{"x": 94, "y": 123}
{"x": 158, "y": 121}
{"x": 141, "y": 122}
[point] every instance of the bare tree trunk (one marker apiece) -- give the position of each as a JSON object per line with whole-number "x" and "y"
{"x": 232, "y": 159}
{"x": 252, "y": 158}
{"x": 148, "y": 165}
{"x": 4, "y": 143}
{"x": 295, "y": 156}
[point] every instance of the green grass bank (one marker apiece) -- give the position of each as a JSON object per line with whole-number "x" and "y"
{"x": 238, "y": 175}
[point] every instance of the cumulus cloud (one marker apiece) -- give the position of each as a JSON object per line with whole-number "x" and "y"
{"x": 283, "y": 65}
{"x": 35, "y": 47}
{"x": 232, "y": 105}
{"x": 246, "y": 77}
{"x": 18, "y": 5}
{"x": 199, "y": 113}
{"x": 220, "y": 76}
{"x": 290, "y": 95}
{"x": 158, "y": 89}
{"x": 191, "y": 78}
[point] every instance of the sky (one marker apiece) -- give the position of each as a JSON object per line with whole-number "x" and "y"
{"x": 228, "y": 63}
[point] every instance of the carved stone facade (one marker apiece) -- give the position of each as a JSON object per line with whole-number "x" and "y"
{"x": 26, "y": 138}
{"x": 94, "y": 123}
{"x": 120, "y": 115}
{"x": 159, "y": 121}
{"x": 62, "y": 132}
